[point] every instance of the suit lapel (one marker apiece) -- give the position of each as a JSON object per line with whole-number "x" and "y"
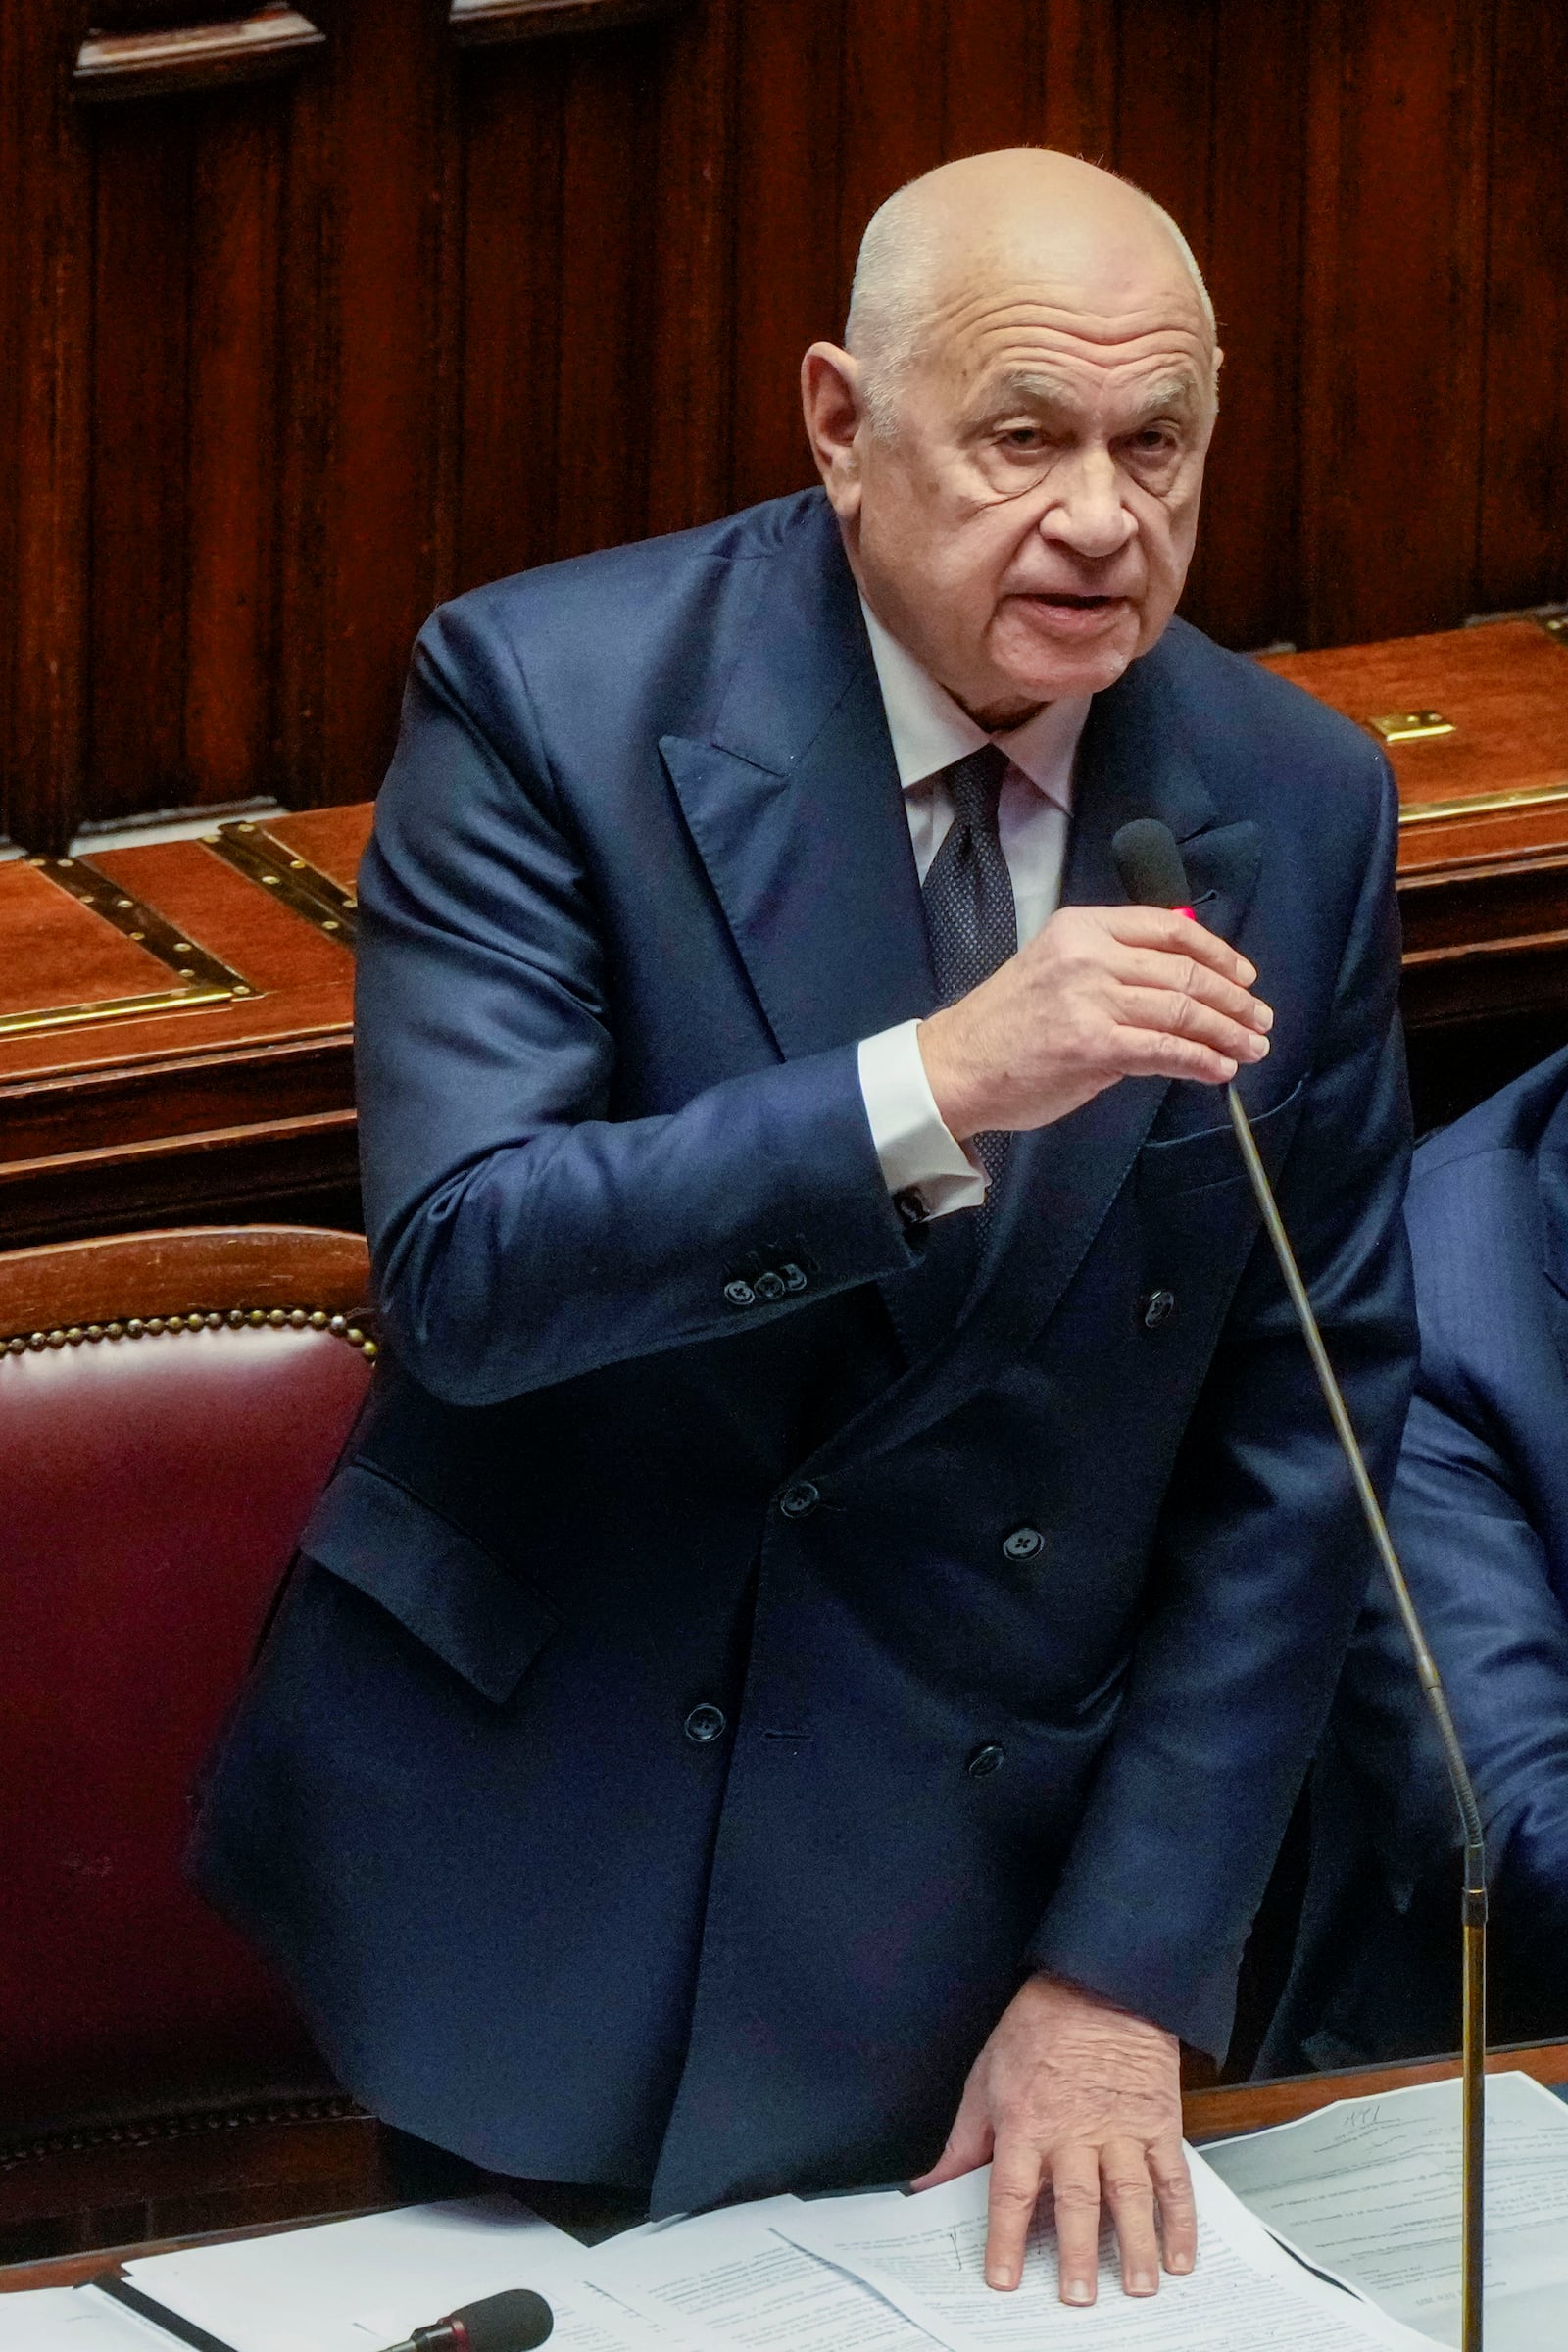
{"x": 794, "y": 809}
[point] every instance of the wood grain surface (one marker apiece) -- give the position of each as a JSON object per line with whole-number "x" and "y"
{"x": 299, "y": 359}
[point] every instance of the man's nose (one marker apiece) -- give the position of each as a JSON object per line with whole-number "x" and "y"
{"x": 1087, "y": 515}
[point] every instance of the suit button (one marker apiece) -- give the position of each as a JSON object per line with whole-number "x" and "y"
{"x": 794, "y": 1276}
{"x": 770, "y": 1286}
{"x": 1024, "y": 1543}
{"x": 910, "y": 1208}
{"x": 799, "y": 1501}
{"x": 705, "y": 1725}
{"x": 985, "y": 1761}
{"x": 1157, "y": 1308}
{"x": 740, "y": 1293}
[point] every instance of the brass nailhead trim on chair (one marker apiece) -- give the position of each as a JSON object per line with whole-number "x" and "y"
{"x": 277, "y": 1318}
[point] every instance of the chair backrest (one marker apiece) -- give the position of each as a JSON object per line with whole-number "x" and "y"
{"x": 171, "y": 1405}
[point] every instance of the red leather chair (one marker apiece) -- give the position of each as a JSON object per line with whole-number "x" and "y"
{"x": 171, "y": 1405}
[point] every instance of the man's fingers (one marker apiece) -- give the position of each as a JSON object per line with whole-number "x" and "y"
{"x": 1178, "y": 2210}
{"x": 1178, "y": 935}
{"x": 1075, "y": 2187}
{"x": 1182, "y": 976}
{"x": 1130, "y": 2194}
{"x": 1161, "y": 1053}
{"x": 968, "y": 2144}
{"x": 1189, "y": 1017}
{"x": 1015, "y": 2171}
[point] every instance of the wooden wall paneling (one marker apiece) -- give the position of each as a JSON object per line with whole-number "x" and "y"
{"x": 140, "y": 387}
{"x": 512, "y": 127}
{"x": 45, "y": 167}
{"x": 1523, "y": 487}
{"x": 892, "y": 125}
{"x": 690, "y": 350}
{"x": 1392, "y": 313}
{"x": 233, "y": 507}
{"x": 389, "y": 69}
{"x": 790, "y": 290}
{"x": 489, "y": 22}
{"x": 604, "y": 259}
{"x": 1079, "y": 109}
{"x": 1246, "y": 581}
{"x": 217, "y": 47}
{"x": 308, "y": 425}
{"x": 994, "y": 93}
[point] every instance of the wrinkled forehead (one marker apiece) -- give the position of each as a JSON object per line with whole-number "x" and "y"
{"x": 1073, "y": 299}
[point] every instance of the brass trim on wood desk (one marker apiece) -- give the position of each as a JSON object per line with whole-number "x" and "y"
{"x": 1481, "y": 803}
{"x": 489, "y": 21}
{"x": 292, "y": 880}
{"x": 271, "y": 40}
{"x": 206, "y": 979}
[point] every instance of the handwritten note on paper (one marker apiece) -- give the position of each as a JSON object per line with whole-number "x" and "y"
{"x": 927, "y": 2255}
{"x": 1369, "y": 2189}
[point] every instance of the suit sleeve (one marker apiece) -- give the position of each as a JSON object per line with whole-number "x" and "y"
{"x": 520, "y": 1235}
{"x": 1261, "y": 1557}
{"x": 1480, "y": 1578}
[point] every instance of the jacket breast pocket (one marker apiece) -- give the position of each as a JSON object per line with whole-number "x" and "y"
{"x": 443, "y": 1588}
{"x": 1170, "y": 1168}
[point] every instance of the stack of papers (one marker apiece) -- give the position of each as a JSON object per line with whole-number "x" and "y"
{"x": 1368, "y": 2189}
{"x": 882, "y": 2272}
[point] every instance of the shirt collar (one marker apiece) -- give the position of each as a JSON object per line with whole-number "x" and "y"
{"x": 930, "y": 731}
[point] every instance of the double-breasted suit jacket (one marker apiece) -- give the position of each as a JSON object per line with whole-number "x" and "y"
{"x": 731, "y": 1652}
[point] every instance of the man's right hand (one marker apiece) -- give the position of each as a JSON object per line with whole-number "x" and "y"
{"x": 1102, "y": 993}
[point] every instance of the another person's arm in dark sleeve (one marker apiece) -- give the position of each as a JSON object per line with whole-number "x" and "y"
{"x": 1262, "y": 1555}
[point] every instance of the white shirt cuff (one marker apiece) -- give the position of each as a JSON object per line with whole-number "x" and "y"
{"x": 918, "y": 1153}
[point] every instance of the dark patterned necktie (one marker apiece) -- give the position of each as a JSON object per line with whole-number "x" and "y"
{"x": 970, "y": 910}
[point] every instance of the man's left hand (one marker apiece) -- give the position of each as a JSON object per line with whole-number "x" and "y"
{"x": 1071, "y": 2091}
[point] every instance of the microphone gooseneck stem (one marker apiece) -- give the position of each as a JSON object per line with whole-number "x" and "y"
{"x": 1474, "y": 1911}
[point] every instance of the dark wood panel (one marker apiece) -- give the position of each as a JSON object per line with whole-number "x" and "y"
{"x": 231, "y": 467}
{"x": 423, "y": 313}
{"x": 1394, "y": 313}
{"x": 790, "y": 290}
{"x": 1524, "y": 481}
{"x": 140, "y": 391}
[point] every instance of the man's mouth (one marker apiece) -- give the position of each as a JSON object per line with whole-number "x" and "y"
{"x": 1065, "y": 613}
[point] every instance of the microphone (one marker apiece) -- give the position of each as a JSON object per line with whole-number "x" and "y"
{"x": 1153, "y": 874}
{"x": 514, "y": 2322}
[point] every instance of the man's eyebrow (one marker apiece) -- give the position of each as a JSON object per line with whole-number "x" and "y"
{"x": 1027, "y": 387}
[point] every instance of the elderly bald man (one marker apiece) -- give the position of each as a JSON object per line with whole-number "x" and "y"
{"x": 817, "y": 1634}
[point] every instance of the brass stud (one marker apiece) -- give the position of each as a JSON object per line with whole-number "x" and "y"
{"x": 73, "y": 1335}
{"x": 358, "y": 1337}
{"x": 154, "y": 1324}
{"x": 236, "y": 1316}
{"x": 256, "y": 1318}
{"x": 339, "y": 1324}
{"x": 298, "y": 1317}
{"x": 95, "y": 1331}
{"x": 318, "y": 1320}
{"x": 15, "y": 1346}
{"x": 277, "y": 1318}
{"x": 37, "y": 1342}
{"x": 135, "y": 1327}
{"x": 114, "y": 1331}
{"x": 215, "y": 1322}
{"x": 56, "y": 1338}
{"x": 370, "y": 1352}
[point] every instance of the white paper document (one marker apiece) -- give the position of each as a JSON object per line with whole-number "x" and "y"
{"x": 925, "y": 2254}
{"x": 1369, "y": 2189}
{"x": 71, "y": 2319}
{"x": 353, "y": 2286}
{"x": 733, "y": 2279}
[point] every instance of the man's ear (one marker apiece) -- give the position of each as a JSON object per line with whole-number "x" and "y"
{"x": 831, "y": 397}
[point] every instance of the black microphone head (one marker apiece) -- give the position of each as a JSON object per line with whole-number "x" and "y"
{"x": 1149, "y": 863}
{"x": 514, "y": 2322}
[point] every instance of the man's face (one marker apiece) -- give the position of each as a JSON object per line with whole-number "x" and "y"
{"x": 1026, "y": 527}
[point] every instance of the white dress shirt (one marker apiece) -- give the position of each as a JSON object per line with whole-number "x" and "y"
{"x": 929, "y": 733}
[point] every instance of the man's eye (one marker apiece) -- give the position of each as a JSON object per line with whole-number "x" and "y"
{"x": 1021, "y": 436}
{"x": 1155, "y": 440}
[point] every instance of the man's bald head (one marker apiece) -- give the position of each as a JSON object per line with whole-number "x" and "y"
{"x": 1020, "y": 210}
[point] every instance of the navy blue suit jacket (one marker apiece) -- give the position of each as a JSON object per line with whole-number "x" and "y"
{"x": 1480, "y": 1515}
{"x": 680, "y": 1421}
